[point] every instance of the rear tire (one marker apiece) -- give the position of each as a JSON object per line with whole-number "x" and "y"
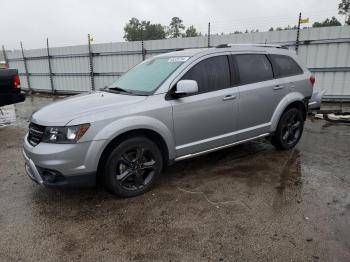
{"x": 132, "y": 167}
{"x": 289, "y": 129}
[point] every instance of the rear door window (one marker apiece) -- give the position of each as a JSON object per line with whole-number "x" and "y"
{"x": 286, "y": 66}
{"x": 253, "y": 68}
{"x": 211, "y": 74}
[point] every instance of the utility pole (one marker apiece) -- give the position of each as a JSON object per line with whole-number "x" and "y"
{"x": 298, "y": 33}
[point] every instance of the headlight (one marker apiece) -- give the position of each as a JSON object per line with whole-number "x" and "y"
{"x": 64, "y": 135}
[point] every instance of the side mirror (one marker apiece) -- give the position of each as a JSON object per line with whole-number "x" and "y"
{"x": 185, "y": 87}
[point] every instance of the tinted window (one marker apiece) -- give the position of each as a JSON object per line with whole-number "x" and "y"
{"x": 253, "y": 68}
{"x": 211, "y": 74}
{"x": 286, "y": 66}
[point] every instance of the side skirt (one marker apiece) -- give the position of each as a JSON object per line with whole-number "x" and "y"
{"x": 219, "y": 148}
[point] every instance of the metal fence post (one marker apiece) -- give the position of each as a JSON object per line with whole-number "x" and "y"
{"x": 5, "y": 57}
{"x": 209, "y": 34}
{"x": 143, "y": 46}
{"x": 143, "y": 50}
{"x": 50, "y": 68}
{"x": 92, "y": 80}
{"x": 298, "y": 33}
{"x": 26, "y": 68}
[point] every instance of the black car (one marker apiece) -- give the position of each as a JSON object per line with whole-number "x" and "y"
{"x": 10, "y": 87}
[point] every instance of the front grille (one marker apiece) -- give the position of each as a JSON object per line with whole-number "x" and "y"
{"x": 36, "y": 133}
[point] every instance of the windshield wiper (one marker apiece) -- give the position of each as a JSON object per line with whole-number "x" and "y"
{"x": 118, "y": 89}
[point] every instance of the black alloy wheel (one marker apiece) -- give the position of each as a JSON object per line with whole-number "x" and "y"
{"x": 289, "y": 129}
{"x": 133, "y": 167}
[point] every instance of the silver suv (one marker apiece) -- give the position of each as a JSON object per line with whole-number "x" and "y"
{"x": 168, "y": 108}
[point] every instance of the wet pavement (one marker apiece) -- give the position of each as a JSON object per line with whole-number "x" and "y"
{"x": 247, "y": 203}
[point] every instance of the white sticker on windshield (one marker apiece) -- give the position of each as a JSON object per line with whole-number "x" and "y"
{"x": 178, "y": 59}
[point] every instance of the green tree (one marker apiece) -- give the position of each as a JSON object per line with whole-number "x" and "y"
{"x": 344, "y": 9}
{"x": 328, "y": 22}
{"x": 137, "y": 30}
{"x": 290, "y": 27}
{"x": 132, "y": 30}
{"x": 271, "y": 29}
{"x": 153, "y": 31}
{"x": 175, "y": 28}
{"x": 191, "y": 32}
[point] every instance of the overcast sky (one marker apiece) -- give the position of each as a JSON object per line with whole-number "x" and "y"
{"x": 67, "y": 22}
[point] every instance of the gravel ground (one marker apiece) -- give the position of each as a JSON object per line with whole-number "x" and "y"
{"x": 247, "y": 203}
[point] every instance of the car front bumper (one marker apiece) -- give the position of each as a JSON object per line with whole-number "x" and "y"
{"x": 62, "y": 165}
{"x": 31, "y": 170}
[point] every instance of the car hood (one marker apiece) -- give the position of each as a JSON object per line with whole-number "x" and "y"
{"x": 62, "y": 112}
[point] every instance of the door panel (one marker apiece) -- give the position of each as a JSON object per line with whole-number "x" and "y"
{"x": 205, "y": 121}
{"x": 259, "y": 94}
{"x": 257, "y": 104}
{"x": 208, "y": 119}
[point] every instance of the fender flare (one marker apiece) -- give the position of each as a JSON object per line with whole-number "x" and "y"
{"x": 281, "y": 107}
{"x": 133, "y": 123}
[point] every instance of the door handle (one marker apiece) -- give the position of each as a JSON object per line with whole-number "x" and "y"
{"x": 229, "y": 97}
{"x": 277, "y": 87}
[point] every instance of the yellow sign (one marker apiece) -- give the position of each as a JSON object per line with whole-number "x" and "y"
{"x": 304, "y": 21}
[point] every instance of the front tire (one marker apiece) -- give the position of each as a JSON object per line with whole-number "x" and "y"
{"x": 132, "y": 167}
{"x": 289, "y": 129}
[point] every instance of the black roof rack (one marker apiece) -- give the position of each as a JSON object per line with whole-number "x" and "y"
{"x": 222, "y": 46}
{"x": 256, "y": 45}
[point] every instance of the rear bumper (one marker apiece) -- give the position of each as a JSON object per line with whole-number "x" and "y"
{"x": 315, "y": 100}
{"x": 9, "y": 99}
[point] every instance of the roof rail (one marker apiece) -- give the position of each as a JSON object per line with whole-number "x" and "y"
{"x": 257, "y": 45}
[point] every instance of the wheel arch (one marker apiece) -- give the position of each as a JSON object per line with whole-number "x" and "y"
{"x": 299, "y": 105}
{"x": 145, "y": 132}
{"x": 295, "y": 100}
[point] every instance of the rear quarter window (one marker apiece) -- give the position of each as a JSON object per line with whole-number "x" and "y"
{"x": 285, "y": 65}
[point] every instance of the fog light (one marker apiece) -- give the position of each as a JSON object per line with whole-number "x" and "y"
{"x": 49, "y": 176}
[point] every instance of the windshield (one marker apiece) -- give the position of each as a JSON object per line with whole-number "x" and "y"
{"x": 146, "y": 77}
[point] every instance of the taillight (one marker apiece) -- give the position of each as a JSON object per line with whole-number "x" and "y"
{"x": 312, "y": 80}
{"x": 16, "y": 81}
